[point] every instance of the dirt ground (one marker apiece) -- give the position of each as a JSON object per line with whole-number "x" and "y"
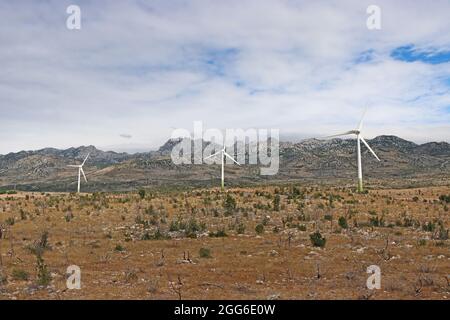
{"x": 244, "y": 243}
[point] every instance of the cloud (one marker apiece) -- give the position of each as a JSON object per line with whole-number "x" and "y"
{"x": 126, "y": 136}
{"x": 306, "y": 68}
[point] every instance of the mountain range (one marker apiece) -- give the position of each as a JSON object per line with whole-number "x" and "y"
{"x": 403, "y": 163}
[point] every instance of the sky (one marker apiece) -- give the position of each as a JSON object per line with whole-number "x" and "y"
{"x": 138, "y": 69}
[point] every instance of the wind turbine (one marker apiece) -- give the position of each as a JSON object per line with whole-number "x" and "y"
{"x": 359, "y": 138}
{"x": 80, "y": 171}
{"x": 223, "y": 154}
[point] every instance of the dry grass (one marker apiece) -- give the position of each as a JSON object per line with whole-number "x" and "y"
{"x": 125, "y": 249}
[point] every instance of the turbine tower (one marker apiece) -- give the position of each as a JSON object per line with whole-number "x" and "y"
{"x": 223, "y": 154}
{"x": 80, "y": 171}
{"x": 359, "y": 138}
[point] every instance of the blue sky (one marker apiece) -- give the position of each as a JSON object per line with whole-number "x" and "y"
{"x": 137, "y": 69}
{"x": 410, "y": 53}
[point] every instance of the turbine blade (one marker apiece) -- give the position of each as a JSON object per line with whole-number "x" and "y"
{"x": 362, "y": 119}
{"x": 73, "y": 165}
{"x": 368, "y": 147}
{"x": 213, "y": 155}
{"x": 338, "y": 135}
{"x": 85, "y": 159}
{"x": 83, "y": 174}
{"x": 227, "y": 155}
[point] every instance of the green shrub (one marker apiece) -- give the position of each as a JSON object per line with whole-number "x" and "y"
{"x": 43, "y": 275}
{"x": 218, "y": 234}
{"x": 429, "y": 227}
{"x": 204, "y": 253}
{"x": 445, "y": 198}
{"x": 259, "y": 228}
{"x": 240, "y": 229}
{"x": 19, "y": 274}
{"x": 119, "y": 248}
{"x": 10, "y": 221}
{"x": 229, "y": 204}
{"x": 343, "y": 222}
{"x": 317, "y": 240}
{"x": 276, "y": 203}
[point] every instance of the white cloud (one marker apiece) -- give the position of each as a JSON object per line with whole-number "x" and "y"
{"x": 142, "y": 68}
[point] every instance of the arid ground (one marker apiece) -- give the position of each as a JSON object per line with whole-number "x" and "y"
{"x": 266, "y": 242}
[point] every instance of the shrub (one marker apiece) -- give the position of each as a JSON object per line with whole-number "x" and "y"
{"x": 204, "y": 253}
{"x": 229, "y": 204}
{"x": 429, "y": 226}
{"x": 422, "y": 242}
{"x": 43, "y": 275}
{"x": 39, "y": 246}
{"x": 119, "y": 248}
{"x": 19, "y": 274}
{"x": 376, "y": 222}
{"x": 240, "y": 228}
{"x": 317, "y": 239}
{"x": 259, "y": 228}
{"x": 10, "y": 221}
{"x": 146, "y": 236}
{"x": 442, "y": 233}
{"x": 276, "y": 203}
{"x": 218, "y": 234}
{"x": 343, "y": 223}
{"x": 445, "y": 198}
{"x": 159, "y": 235}
{"x": 141, "y": 193}
{"x": 174, "y": 226}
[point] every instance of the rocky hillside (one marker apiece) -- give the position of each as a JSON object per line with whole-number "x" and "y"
{"x": 403, "y": 163}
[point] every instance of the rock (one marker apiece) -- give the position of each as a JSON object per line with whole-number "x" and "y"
{"x": 273, "y": 253}
{"x": 275, "y": 296}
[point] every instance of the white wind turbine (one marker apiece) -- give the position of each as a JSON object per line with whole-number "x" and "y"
{"x": 223, "y": 154}
{"x": 80, "y": 171}
{"x": 359, "y": 138}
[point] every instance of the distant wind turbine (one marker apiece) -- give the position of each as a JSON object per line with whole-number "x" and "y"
{"x": 223, "y": 154}
{"x": 80, "y": 171}
{"x": 359, "y": 138}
